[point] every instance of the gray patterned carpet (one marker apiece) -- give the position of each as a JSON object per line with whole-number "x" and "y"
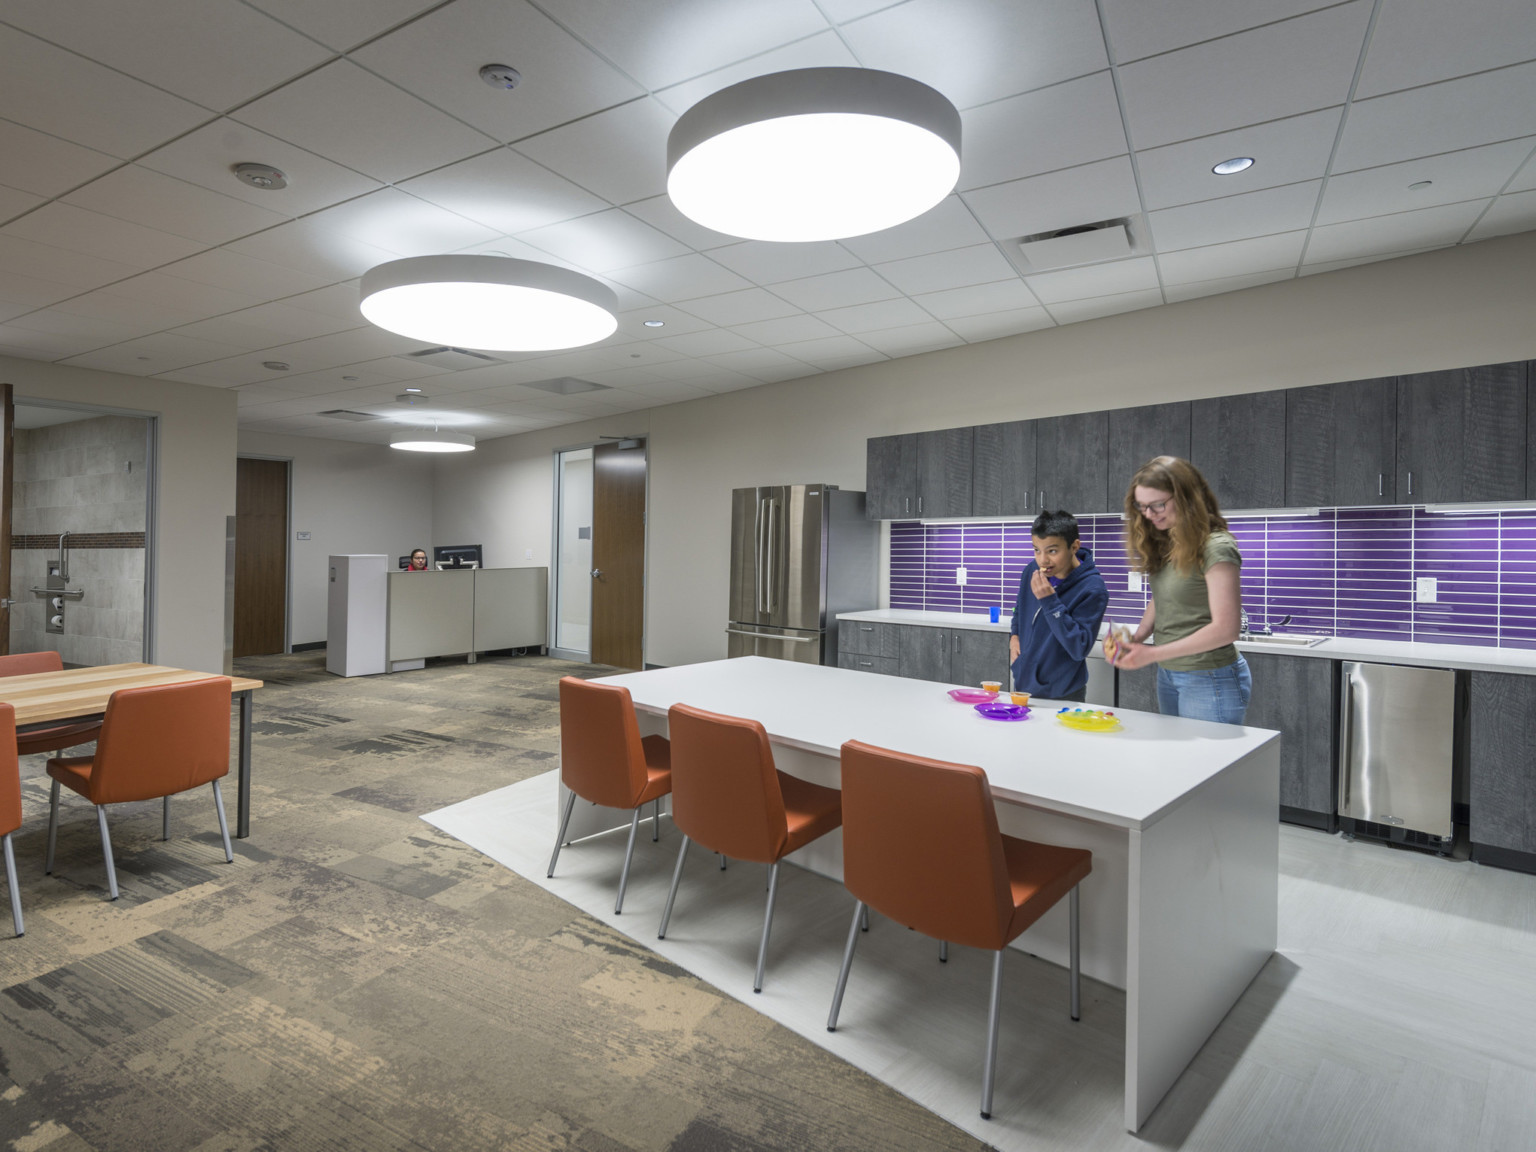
{"x": 359, "y": 980}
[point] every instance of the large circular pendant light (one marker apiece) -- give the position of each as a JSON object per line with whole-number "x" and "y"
{"x": 814, "y": 154}
{"x": 420, "y": 440}
{"x": 498, "y": 303}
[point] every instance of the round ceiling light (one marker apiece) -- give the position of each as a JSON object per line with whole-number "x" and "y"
{"x": 814, "y": 154}
{"x": 493, "y": 302}
{"x": 1236, "y": 164}
{"x": 420, "y": 440}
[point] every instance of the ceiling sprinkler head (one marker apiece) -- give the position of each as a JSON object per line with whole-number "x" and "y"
{"x": 502, "y": 76}
{"x": 262, "y": 176}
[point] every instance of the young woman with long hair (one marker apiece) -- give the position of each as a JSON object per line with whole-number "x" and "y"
{"x": 1175, "y": 534}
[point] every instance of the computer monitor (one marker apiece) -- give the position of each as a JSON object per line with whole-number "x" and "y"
{"x": 457, "y": 556}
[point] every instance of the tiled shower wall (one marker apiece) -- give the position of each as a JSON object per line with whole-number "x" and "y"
{"x": 87, "y": 477}
{"x": 1343, "y": 572}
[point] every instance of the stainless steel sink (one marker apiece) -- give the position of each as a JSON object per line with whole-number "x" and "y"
{"x": 1282, "y": 639}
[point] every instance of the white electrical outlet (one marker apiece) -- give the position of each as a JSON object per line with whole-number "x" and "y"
{"x": 1134, "y": 581}
{"x": 1426, "y": 590}
{"x": 961, "y": 575}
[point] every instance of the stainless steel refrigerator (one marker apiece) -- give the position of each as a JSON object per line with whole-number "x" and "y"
{"x": 800, "y": 554}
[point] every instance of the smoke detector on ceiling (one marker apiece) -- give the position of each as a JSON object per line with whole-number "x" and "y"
{"x": 1080, "y": 244}
{"x": 502, "y": 76}
{"x": 263, "y": 176}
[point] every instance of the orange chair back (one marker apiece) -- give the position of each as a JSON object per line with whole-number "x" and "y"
{"x": 921, "y": 845}
{"x": 601, "y": 757}
{"x": 161, "y": 740}
{"x": 725, "y": 788}
{"x": 28, "y": 663}
{"x": 10, "y": 772}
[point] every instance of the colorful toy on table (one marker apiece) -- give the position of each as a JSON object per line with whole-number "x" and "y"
{"x": 1088, "y": 719}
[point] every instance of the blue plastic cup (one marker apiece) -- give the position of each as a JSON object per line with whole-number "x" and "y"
{"x": 995, "y": 613}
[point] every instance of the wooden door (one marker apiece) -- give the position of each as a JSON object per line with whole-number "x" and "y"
{"x": 618, "y": 555}
{"x": 1003, "y": 478}
{"x": 1238, "y": 443}
{"x": 7, "y": 468}
{"x": 261, "y": 556}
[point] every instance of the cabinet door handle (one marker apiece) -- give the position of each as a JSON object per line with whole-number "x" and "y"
{"x": 1041, "y": 505}
{"x": 866, "y": 663}
{"x": 919, "y": 505}
{"x": 1410, "y": 483}
{"x": 957, "y": 641}
{"x": 908, "y": 505}
{"x": 1380, "y": 489}
{"x": 866, "y": 628}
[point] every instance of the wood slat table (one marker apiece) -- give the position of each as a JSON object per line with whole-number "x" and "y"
{"x": 47, "y": 698}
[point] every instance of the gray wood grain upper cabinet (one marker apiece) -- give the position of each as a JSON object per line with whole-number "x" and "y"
{"x": 1238, "y": 443}
{"x": 975, "y": 656}
{"x": 1341, "y": 444}
{"x": 890, "y": 477}
{"x": 1296, "y": 696}
{"x": 1502, "y": 771}
{"x": 1138, "y": 434}
{"x": 1461, "y": 435}
{"x": 1530, "y": 431}
{"x": 1137, "y": 690}
{"x": 944, "y": 472}
{"x": 924, "y": 653}
{"x": 1003, "y": 478}
{"x": 1072, "y": 463}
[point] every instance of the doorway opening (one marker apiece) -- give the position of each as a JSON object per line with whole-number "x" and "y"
{"x": 599, "y": 553}
{"x": 81, "y": 533}
{"x": 261, "y": 556}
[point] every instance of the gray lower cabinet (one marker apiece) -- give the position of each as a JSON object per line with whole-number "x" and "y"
{"x": 975, "y": 656}
{"x": 945, "y": 655}
{"x": 1136, "y": 690}
{"x": 924, "y": 653}
{"x": 1461, "y": 435}
{"x": 1136, "y": 435}
{"x": 1502, "y": 769}
{"x": 858, "y": 662}
{"x": 1238, "y": 443}
{"x": 1297, "y": 696}
{"x": 1003, "y": 476}
{"x": 869, "y": 638}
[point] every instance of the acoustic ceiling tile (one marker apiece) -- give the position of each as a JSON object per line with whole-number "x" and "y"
{"x": 160, "y": 352}
{"x": 978, "y": 299}
{"x": 911, "y": 339}
{"x": 343, "y": 24}
{"x": 222, "y": 268}
{"x": 823, "y": 50}
{"x": 948, "y": 224}
{"x": 1177, "y": 293}
{"x": 605, "y": 241}
{"x": 975, "y": 51}
{"x": 619, "y": 154}
{"x": 994, "y": 325}
{"x": 1424, "y": 228}
{"x": 353, "y": 117}
{"x": 680, "y": 278}
{"x": 14, "y": 202}
{"x": 1260, "y": 213}
{"x": 1236, "y": 258}
{"x": 1138, "y": 28}
{"x": 144, "y": 196}
{"x": 1075, "y": 310}
{"x": 1277, "y": 70}
{"x": 1057, "y": 127}
{"x": 1421, "y": 41}
{"x": 979, "y": 264}
{"x": 659, "y": 212}
{"x": 711, "y": 342}
{"x": 1284, "y": 151}
{"x": 1104, "y": 190}
{"x": 878, "y": 316}
{"x": 438, "y": 58}
{"x": 46, "y": 165}
{"x": 1512, "y": 212}
{"x": 90, "y": 233}
{"x": 768, "y": 263}
{"x": 1452, "y": 176}
{"x": 832, "y": 352}
{"x": 1114, "y": 278}
{"x": 836, "y": 289}
{"x": 748, "y": 306}
{"x": 310, "y": 248}
{"x": 785, "y": 329}
{"x": 504, "y": 191}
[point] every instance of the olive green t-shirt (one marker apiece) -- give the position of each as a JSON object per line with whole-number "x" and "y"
{"x": 1181, "y": 604}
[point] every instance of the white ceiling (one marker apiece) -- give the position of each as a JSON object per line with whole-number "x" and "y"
{"x": 128, "y": 245}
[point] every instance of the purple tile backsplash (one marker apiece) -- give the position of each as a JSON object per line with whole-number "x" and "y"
{"x": 1344, "y": 572}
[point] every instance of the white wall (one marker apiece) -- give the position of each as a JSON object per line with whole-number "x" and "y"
{"x": 349, "y": 498}
{"x": 196, "y": 493}
{"x": 1459, "y": 306}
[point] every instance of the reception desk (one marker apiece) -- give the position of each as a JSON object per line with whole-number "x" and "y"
{"x": 398, "y": 619}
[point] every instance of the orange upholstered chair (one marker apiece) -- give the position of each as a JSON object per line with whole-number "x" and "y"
{"x": 10, "y": 807}
{"x": 728, "y": 795}
{"x": 154, "y": 743}
{"x": 603, "y": 759}
{"x": 61, "y": 736}
{"x": 921, "y": 845}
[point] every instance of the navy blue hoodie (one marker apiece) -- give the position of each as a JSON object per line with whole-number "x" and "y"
{"x": 1057, "y": 633}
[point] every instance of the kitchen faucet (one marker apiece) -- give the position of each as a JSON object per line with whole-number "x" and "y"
{"x": 1263, "y": 630}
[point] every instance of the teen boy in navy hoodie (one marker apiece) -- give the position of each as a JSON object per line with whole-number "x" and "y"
{"x": 1061, "y": 602}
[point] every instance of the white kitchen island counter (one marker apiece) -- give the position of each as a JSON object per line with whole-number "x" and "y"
{"x": 1182, "y": 904}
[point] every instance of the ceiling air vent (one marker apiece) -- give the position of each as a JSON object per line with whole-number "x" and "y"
{"x": 566, "y": 386}
{"x": 452, "y": 359}
{"x": 347, "y": 414}
{"x": 1082, "y": 244}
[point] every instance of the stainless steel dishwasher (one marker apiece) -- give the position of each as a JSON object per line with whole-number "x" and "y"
{"x": 1397, "y": 728}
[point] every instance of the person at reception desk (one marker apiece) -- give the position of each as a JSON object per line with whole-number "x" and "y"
{"x": 418, "y": 561}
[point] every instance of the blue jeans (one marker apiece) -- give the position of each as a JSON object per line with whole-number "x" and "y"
{"x": 1220, "y": 694}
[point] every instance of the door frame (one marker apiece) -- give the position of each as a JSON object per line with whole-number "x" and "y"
{"x": 554, "y": 549}
{"x": 287, "y": 545}
{"x": 151, "y": 496}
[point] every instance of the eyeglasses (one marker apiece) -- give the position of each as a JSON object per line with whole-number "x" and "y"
{"x": 1155, "y": 509}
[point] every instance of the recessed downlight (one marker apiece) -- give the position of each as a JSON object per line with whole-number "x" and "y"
{"x": 1236, "y": 164}
{"x": 413, "y": 389}
{"x": 655, "y": 323}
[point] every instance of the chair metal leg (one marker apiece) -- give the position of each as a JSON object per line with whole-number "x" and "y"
{"x": 762, "y": 948}
{"x": 106, "y": 851}
{"x": 53, "y": 826}
{"x": 565, "y": 821}
{"x": 218, "y": 806}
{"x": 677, "y": 874}
{"x": 864, "y": 923}
{"x": 629, "y": 854}
{"x": 943, "y": 951}
{"x": 1077, "y": 999}
{"x": 10, "y": 880}
{"x": 989, "y": 1070}
{"x": 165, "y": 817}
{"x": 860, "y": 913}
{"x": 656, "y": 820}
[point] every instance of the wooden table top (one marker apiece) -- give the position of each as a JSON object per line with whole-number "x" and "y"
{"x": 74, "y": 692}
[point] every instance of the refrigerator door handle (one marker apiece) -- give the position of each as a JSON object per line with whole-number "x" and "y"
{"x": 762, "y": 548}
{"x": 773, "y": 555}
{"x": 772, "y": 636}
